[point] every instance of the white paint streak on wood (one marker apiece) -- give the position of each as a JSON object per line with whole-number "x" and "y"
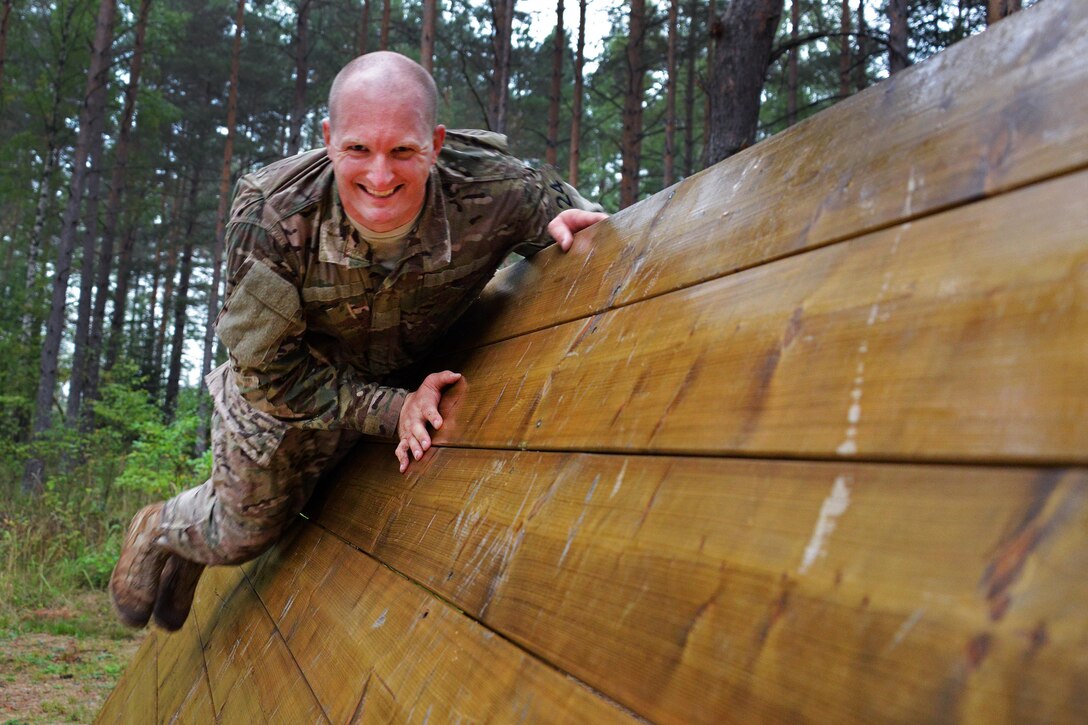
{"x": 906, "y": 627}
{"x": 833, "y": 507}
{"x": 619, "y": 479}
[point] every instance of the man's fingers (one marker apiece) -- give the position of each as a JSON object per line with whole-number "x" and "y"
{"x": 442, "y": 379}
{"x": 560, "y": 233}
{"x": 570, "y": 222}
{"x": 419, "y": 434}
{"x": 402, "y": 455}
{"x": 433, "y": 417}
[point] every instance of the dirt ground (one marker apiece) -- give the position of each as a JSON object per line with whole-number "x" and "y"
{"x": 58, "y": 665}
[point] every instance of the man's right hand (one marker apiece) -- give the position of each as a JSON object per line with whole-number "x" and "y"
{"x": 421, "y": 408}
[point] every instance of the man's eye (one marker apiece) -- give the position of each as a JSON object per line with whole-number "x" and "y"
{"x": 357, "y": 148}
{"x": 403, "y": 152}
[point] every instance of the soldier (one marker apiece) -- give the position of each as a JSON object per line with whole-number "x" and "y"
{"x": 345, "y": 264}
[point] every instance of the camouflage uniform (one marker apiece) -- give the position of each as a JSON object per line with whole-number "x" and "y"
{"x": 316, "y": 328}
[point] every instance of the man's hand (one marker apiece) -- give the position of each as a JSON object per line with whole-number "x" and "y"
{"x": 568, "y": 223}
{"x": 421, "y": 408}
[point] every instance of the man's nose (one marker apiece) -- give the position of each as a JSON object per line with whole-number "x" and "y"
{"x": 380, "y": 173}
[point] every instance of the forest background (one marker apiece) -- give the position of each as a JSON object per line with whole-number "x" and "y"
{"x": 124, "y": 124}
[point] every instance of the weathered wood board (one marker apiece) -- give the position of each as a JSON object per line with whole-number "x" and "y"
{"x": 963, "y": 335}
{"x": 801, "y": 439}
{"x": 682, "y": 586}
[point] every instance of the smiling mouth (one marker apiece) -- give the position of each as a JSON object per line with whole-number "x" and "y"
{"x": 380, "y": 194}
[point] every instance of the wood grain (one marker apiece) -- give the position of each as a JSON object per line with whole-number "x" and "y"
{"x": 134, "y": 698}
{"x": 183, "y": 685}
{"x": 377, "y": 648}
{"x": 252, "y": 673}
{"x": 707, "y": 590}
{"x": 992, "y": 113}
{"x": 963, "y": 336}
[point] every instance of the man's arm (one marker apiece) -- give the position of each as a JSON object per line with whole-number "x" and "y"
{"x": 543, "y": 209}
{"x": 263, "y": 327}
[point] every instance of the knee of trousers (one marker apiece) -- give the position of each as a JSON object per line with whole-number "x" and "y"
{"x": 239, "y": 542}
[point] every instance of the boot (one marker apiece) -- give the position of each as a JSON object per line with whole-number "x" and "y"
{"x": 177, "y": 585}
{"x": 134, "y": 583}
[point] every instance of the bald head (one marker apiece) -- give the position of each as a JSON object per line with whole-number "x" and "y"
{"x": 390, "y": 75}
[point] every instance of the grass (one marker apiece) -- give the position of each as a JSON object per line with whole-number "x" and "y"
{"x": 59, "y": 663}
{"x": 61, "y": 648}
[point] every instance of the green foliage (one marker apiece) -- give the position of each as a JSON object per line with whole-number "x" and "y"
{"x": 160, "y": 461}
{"x": 69, "y": 538}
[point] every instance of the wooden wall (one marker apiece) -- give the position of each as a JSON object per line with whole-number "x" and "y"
{"x": 802, "y": 438}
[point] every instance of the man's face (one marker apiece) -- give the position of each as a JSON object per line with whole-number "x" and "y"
{"x": 382, "y": 151}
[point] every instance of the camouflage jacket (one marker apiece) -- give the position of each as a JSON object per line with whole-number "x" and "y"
{"x": 315, "y": 328}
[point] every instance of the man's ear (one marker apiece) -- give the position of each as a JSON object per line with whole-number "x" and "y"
{"x": 439, "y": 139}
{"x": 326, "y": 131}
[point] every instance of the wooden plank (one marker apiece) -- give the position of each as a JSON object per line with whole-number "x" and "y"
{"x": 377, "y": 648}
{"x": 134, "y": 699}
{"x": 184, "y": 694}
{"x": 706, "y": 590}
{"x": 252, "y": 674}
{"x": 963, "y": 336}
{"x": 992, "y": 113}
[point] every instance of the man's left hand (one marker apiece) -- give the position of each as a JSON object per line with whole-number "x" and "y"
{"x": 568, "y": 223}
{"x": 421, "y": 408}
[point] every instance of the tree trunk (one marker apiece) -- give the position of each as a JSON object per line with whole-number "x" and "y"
{"x": 861, "y": 78}
{"x": 5, "y": 20}
{"x": 426, "y": 40}
{"x": 898, "y": 58}
{"x": 177, "y": 342}
{"x": 157, "y": 326}
{"x": 113, "y": 205}
{"x": 94, "y": 105}
{"x": 78, "y": 376}
{"x": 998, "y": 9}
{"x": 631, "y": 140}
{"x": 551, "y": 155}
{"x": 167, "y": 270}
{"x": 689, "y": 95}
{"x": 845, "y": 29}
{"x": 364, "y": 28}
{"x": 31, "y": 325}
{"x": 221, "y": 224}
{"x": 151, "y": 367}
{"x": 120, "y": 297}
{"x": 713, "y": 31}
{"x": 669, "y": 162}
{"x": 579, "y": 92}
{"x": 302, "y": 22}
{"x": 181, "y": 300}
{"x": 742, "y": 53}
{"x": 30, "y": 321}
{"x": 791, "y": 67}
{"x": 502, "y": 13}
{"x": 384, "y": 40}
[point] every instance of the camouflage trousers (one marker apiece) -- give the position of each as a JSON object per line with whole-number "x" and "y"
{"x": 263, "y": 473}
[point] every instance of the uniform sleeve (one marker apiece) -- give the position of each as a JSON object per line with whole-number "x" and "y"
{"x": 264, "y": 330}
{"x": 547, "y": 194}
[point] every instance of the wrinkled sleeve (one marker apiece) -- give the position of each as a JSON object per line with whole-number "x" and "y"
{"x": 546, "y": 195}
{"x": 263, "y": 328}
